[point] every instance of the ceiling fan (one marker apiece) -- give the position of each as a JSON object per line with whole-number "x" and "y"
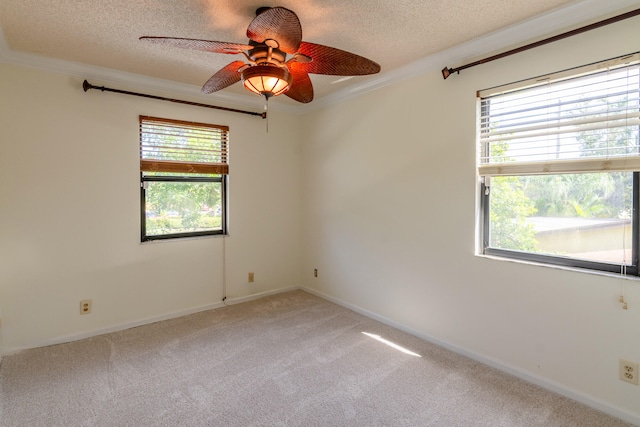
{"x": 278, "y": 61}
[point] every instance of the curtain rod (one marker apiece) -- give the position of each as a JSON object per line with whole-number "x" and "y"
{"x": 446, "y": 72}
{"x": 86, "y": 86}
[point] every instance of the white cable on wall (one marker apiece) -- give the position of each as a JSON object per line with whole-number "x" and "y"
{"x": 224, "y": 268}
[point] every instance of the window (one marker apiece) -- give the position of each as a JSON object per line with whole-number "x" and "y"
{"x": 183, "y": 170}
{"x": 559, "y": 158}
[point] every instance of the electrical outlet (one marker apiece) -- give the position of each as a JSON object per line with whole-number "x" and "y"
{"x": 629, "y": 371}
{"x": 250, "y": 277}
{"x": 85, "y": 306}
{"x": 315, "y": 272}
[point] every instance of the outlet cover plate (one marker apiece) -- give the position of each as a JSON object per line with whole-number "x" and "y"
{"x": 85, "y": 306}
{"x": 629, "y": 371}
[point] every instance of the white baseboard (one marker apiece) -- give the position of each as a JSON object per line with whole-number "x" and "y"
{"x": 121, "y": 327}
{"x": 1, "y": 348}
{"x": 504, "y": 367}
{"x": 252, "y": 297}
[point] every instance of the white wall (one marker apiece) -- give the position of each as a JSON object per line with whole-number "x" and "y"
{"x": 70, "y": 209}
{"x": 389, "y": 221}
{"x": 389, "y": 213}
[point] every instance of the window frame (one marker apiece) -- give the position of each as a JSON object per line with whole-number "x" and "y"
{"x": 222, "y": 179}
{"x": 631, "y": 268}
{"x": 184, "y": 172}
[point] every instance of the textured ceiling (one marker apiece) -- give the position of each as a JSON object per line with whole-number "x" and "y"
{"x": 393, "y": 33}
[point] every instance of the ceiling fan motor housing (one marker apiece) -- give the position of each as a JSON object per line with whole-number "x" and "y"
{"x": 263, "y": 54}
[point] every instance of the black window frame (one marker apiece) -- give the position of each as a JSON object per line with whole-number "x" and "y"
{"x": 222, "y": 179}
{"x": 630, "y": 269}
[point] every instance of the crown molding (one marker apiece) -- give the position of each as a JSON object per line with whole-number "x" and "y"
{"x": 103, "y": 76}
{"x": 573, "y": 15}
{"x": 556, "y": 20}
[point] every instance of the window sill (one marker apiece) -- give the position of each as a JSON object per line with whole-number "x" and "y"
{"x": 182, "y": 239}
{"x": 560, "y": 267}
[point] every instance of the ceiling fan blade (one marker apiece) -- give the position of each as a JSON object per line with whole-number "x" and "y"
{"x": 301, "y": 89}
{"x": 335, "y": 62}
{"x": 279, "y": 24}
{"x": 206, "y": 45}
{"x": 223, "y": 78}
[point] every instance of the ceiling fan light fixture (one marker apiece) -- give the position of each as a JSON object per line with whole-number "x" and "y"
{"x": 267, "y": 80}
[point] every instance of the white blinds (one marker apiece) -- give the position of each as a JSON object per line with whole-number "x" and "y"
{"x": 580, "y": 120}
{"x": 182, "y": 147}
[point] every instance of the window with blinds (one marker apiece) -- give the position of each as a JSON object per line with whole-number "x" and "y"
{"x": 183, "y": 169}
{"x": 581, "y": 120}
{"x": 559, "y": 157}
{"x": 183, "y": 147}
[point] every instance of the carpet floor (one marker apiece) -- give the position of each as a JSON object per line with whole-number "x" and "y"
{"x": 291, "y": 359}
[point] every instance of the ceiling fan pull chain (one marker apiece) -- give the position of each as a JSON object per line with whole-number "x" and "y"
{"x": 266, "y": 113}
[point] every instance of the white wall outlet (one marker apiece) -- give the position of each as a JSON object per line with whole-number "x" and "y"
{"x": 85, "y": 306}
{"x": 629, "y": 371}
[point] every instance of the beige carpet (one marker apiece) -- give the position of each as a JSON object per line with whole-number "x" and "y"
{"x": 287, "y": 360}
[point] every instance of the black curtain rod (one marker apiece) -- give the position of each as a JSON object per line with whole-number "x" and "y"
{"x": 446, "y": 72}
{"x": 86, "y": 86}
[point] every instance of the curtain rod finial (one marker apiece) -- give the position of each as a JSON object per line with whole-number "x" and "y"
{"x": 86, "y": 85}
{"x": 446, "y": 72}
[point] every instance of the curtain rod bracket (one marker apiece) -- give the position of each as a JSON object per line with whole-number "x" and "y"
{"x": 86, "y": 86}
{"x": 446, "y": 72}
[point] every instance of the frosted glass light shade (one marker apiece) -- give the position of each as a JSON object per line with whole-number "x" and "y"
{"x": 267, "y": 80}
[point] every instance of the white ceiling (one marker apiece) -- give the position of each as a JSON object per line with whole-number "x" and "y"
{"x": 102, "y": 35}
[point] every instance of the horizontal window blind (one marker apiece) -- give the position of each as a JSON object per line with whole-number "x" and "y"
{"x": 182, "y": 147}
{"x": 577, "y": 121}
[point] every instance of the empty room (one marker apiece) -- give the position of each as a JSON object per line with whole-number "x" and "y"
{"x": 319, "y": 213}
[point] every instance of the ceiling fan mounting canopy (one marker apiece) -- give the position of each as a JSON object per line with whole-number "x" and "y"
{"x": 262, "y": 9}
{"x": 277, "y": 60}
